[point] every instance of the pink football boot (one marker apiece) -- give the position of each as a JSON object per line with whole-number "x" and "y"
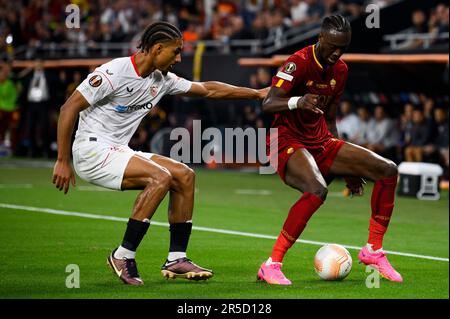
{"x": 271, "y": 273}
{"x": 379, "y": 262}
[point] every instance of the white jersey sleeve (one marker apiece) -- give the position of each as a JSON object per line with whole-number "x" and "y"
{"x": 95, "y": 87}
{"x": 176, "y": 85}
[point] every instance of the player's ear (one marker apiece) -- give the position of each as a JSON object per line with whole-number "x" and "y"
{"x": 319, "y": 38}
{"x": 157, "y": 48}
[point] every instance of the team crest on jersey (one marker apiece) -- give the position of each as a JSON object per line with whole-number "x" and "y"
{"x": 333, "y": 83}
{"x": 153, "y": 90}
{"x": 95, "y": 80}
{"x": 290, "y": 67}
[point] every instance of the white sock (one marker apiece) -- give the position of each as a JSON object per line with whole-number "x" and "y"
{"x": 369, "y": 247}
{"x": 269, "y": 262}
{"x": 122, "y": 253}
{"x": 175, "y": 255}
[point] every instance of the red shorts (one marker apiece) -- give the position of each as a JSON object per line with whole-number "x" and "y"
{"x": 323, "y": 154}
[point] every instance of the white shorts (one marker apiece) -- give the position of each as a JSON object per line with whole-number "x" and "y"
{"x": 102, "y": 163}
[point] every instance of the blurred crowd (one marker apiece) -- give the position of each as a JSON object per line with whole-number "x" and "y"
{"x": 39, "y": 22}
{"x": 418, "y": 134}
{"x": 435, "y": 22}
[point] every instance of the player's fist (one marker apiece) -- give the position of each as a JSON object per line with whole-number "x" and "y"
{"x": 355, "y": 185}
{"x": 309, "y": 102}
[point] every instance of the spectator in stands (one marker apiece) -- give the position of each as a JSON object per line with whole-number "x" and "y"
{"x": 261, "y": 79}
{"x": 77, "y": 78}
{"x": 406, "y": 125}
{"x": 276, "y": 25}
{"x": 37, "y": 96}
{"x": 331, "y": 6}
{"x": 315, "y": 11}
{"x": 8, "y": 108}
{"x": 353, "y": 7}
{"x": 428, "y": 110}
{"x": 365, "y": 122}
{"x": 238, "y": 29}
{"x": 420, "y": 137}
{"x": 250, "y": 116}
{"x": 348, "y": 122}
{"x": 259, "y": 29}
{"x": 382, "y": 135}
{"x": 299, "y": 12}
{"x": 169, "y": 14}
{"x": 190, "y": 35}
{"x": 440, "y": 24}
{"x": 419, "y": 25}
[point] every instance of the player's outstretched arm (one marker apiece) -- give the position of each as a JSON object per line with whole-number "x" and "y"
{"x": 277, "y": 100}
{"x": 62, "y": 172}
{"x": 220, "y": 90}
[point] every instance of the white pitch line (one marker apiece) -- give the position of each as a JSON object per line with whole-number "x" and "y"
{"x": 207, "y": 229}
{"x": 8, "y": 186}
{"x": 252, "y": 192}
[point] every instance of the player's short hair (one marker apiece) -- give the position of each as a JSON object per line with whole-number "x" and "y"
{"x": 336, "y": 22}
{"x": 158, "y": 32}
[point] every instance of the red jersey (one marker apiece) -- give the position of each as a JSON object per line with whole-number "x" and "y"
{"x": 302, "y": 73}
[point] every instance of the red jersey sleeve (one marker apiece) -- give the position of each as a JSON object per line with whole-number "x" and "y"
{"x": 288, "y": 74}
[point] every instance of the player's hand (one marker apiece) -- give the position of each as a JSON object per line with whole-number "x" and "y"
{"x": 309, "y": 102}
{"x": 63, "y": 175}
{"x": 355, "y": 185}
{"x": 262, "y": 93}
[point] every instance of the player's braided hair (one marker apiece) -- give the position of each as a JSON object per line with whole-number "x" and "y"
{"x": 336, "y": 22}
{"x": 158, "y": 32}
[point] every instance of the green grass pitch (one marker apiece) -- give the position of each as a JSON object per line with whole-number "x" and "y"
{"x": 37, "y": 247}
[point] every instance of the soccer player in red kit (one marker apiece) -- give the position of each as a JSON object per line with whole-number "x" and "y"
{"x": 304, "y": 96}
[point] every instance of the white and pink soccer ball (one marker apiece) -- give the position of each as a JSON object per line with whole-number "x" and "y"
{"x": 333, "y": 262}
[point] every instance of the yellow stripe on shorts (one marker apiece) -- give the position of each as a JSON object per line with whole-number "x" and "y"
{"x": 279, "y": 83}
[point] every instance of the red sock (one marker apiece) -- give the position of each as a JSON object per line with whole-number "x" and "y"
{"x": 382, "y": 202}
{"x": 298, "y": 216}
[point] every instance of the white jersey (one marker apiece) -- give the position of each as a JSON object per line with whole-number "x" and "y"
{"x": 119, "y": 99}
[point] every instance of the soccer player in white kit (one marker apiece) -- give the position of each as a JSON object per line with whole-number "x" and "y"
{"x": 110, "y": 103}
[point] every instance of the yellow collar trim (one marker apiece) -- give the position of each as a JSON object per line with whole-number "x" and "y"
{"x": 315, "y": 58}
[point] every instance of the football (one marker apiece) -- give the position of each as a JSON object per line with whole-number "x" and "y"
{"x": 332, "y": 262}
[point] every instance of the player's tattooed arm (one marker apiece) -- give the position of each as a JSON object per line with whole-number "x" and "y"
{"x": 220, "y": 90}
{"x": 62, "y": 172}
{"x": 277, "y": 101}
{"x": 330, "y": 119}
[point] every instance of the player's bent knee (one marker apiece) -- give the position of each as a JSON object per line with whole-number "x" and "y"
{"x": 313, "y": 186}
{"x": 320, "y": 191}
{"x": 163, "y": 179}
{"x": 187, "y": 177}
{"x": 388, "y": 169}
